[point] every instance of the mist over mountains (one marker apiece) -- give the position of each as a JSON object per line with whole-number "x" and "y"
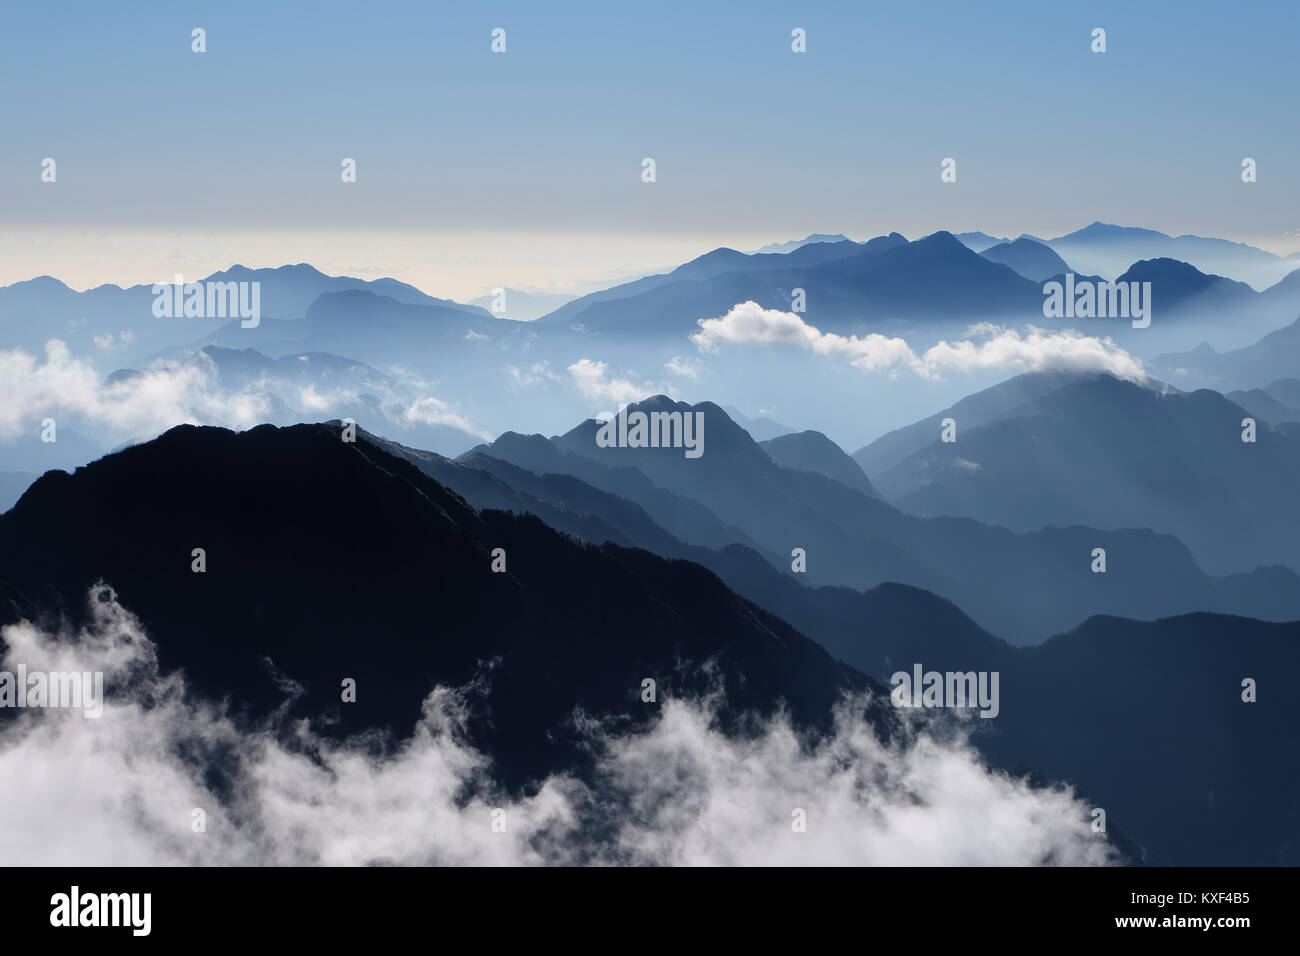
{"x": 899, "y": 462}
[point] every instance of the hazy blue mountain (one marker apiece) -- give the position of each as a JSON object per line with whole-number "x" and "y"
{"x": 813, "y": 451}
{"x": 523, "y": 306}
{"x": 1286, "y": 391}
{"x": 1261, "y": 404}
{"x": 1109, "y": 250}
{"x": 932, "y": 279}
{"x": 1182, "y": 287}
{"x": 1112, "y": 454}
{"x": 1275, "y": 356}
{"x": 761, "y": 428}
{"x": 793, "y": 244}
{"x": 685, "y": 518}
{"x": 432, "y": 339}
{"x": 889, "y": 449}
{"x": 978, "y": 241}
{"x": 1021, "y": 586}
{"x": 43, "y": 308}
{"x": 899, "y": 287}
{"x": 1031, "y": 259}
{"x": 713, "y": 264}
{"x": 289, "y": 291}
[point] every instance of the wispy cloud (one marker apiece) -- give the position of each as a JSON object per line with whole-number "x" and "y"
{"x": 536, "y": 374}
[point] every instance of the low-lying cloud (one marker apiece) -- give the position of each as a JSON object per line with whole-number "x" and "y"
{"x": 122, "y": 789}
{"x": 168, "y": 393}
{"x": 989, "y": 346}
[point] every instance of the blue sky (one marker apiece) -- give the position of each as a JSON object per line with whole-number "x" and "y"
{"x": 532, "y": 157}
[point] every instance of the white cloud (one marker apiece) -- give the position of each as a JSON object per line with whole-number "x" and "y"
{"x": 750, "y": 324}
{"x": 311, "y": 400}
{"x": 149, "y": 402}
{"x": 592, "y": 381}
{"x": 119, "y": 790}
{"x": 428, "y": 410}
{"x": 1036, "y": 350}
{"x": 988, "y": 347}
{"x": 685, "y": 367}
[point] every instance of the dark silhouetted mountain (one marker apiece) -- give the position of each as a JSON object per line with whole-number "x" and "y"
{"x": 1109, "y": 250}
{"x": 328, "y": 559}
{"x": 1031, "y": 259}
{"x": 813, "y": 451}
{"x": 1146, "y": 717}
{"x": 1203, "y": 762}
{"x": 1112, "y": 454}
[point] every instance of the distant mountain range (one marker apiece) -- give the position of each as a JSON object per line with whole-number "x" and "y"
{"x": 853, "y": 539}
{"x": 38, "y": 309}
{"x": 935, "y": 285}
{"x": 889, "y": 283}
{"x": 1108, "y": 250}
{"x": 793, "y": 244}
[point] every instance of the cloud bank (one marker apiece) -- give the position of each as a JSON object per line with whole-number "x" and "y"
{"x": 169, "y": 393}
{"x": 122, "y": 789}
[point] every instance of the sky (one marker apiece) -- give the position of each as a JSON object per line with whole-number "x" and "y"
{"x": 478, "y": 169}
